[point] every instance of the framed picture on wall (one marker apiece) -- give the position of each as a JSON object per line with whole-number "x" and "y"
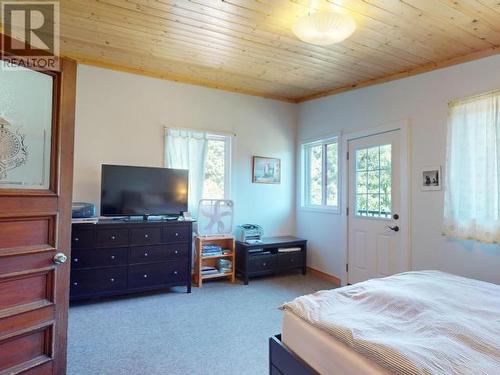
{"x": 266, "y": 170}
{"x": 431, "y": 178}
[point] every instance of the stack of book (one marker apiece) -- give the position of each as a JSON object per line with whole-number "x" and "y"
{"x": 211, "y": 250}
{"x": 208, "y": 270}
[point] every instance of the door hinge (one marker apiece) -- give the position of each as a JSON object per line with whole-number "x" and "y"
{"x": 347, "y": 211}
{"x": 347, "y": 155}
{"x": 347, "y": 267}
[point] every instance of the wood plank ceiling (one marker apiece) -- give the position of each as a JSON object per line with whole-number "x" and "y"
{"x": 247, "y": 46}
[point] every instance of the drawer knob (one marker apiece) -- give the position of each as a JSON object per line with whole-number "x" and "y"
{"x": 77, "y": 239}
{"x": 113, "y": 257}
{"x": 113, "y": 237}
{"x": 112, "y": 280}
{"x": 176, "y": 252}
{"x": 176, "y": 272}
{"x": 146, "y": 254}
{"x": 176, "y": 234}
{"x": 146, "y": 236}
{"x": 75, "y": 283}
{"x": 146, "y": 276}
{"x": 75, "y": 260}
{"x": 264, "y": 264}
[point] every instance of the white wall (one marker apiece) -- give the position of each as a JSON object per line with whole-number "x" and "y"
{"x": 423, "y": 100}
{"x": 120, "y": 119}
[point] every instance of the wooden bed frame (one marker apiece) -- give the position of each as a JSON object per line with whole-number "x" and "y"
{"x": 282, "y": 361}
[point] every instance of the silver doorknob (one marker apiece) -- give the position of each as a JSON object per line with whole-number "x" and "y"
{"x": 60, "y": 258}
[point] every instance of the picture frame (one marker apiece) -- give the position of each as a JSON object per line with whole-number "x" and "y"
{"x": 266, "y": 170}
{"x": 431, "y": 178}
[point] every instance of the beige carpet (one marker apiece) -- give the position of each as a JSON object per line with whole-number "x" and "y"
{"x": 220, "y": 329}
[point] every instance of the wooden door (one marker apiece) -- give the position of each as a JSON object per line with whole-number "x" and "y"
{"x": 376, "y": 247}
{"x": 35, "y": 226}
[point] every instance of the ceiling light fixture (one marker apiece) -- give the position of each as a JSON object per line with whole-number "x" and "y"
{"x": 324, "y": 28}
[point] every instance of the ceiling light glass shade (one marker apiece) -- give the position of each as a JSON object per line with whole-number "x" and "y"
{"x": 324, "y": 28}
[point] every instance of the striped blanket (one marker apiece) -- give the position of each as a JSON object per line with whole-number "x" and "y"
{"x": 425, "y": 322}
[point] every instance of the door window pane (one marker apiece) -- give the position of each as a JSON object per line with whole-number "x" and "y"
{"x": 374, "y": 182}
{"x": 315, "y": 176}
{"x": 25, "y": 128}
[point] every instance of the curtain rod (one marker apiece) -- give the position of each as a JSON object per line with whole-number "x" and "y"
{"x": 472, "y": 97}
{"x": 216, "y": 132}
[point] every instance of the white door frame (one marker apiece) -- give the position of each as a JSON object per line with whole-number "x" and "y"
{"x": 405, "y": 214}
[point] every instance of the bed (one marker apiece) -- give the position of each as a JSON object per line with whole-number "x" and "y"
{"x": 425, "y": 322}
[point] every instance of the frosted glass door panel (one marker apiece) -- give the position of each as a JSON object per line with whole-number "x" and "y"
{"x": 25, "y": 128}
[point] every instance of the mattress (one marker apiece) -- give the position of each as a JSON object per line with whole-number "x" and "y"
{"x": 322, "y": 351}
{"x": 419, "y": 322}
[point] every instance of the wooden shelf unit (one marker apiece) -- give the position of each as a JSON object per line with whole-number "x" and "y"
{"x": 226, "y": 242}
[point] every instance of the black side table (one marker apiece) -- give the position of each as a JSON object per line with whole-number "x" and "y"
{"x": 270, "y": 261}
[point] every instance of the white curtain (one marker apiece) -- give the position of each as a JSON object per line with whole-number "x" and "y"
{"x": 472, "y": 192}
{"x": 187, "y": 149}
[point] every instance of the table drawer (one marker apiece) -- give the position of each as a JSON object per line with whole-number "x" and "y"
{"x": 177, "y": 233}
{"x": 112, "y": 237}
{"x": 290, "y": 260}
{"x": 98, "y": 258}
{"x": 142, "y": 276}
{"x": 95, "y": 281}
{"x": 82, "y": 238}
{"x": 145, "y": 236}
{"x": 262, "y": 263}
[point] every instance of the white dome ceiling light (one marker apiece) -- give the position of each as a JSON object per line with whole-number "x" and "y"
{"x": 324, "y": 28}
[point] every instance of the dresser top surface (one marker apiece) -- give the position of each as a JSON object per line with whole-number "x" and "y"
{"x": 121, "y": 222}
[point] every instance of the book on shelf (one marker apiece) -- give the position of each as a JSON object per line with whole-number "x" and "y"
{"x": 289, "y": 249}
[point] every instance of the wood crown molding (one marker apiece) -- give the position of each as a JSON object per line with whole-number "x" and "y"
{"x": 371, "y": 82}
{"x": 408, "y": 73}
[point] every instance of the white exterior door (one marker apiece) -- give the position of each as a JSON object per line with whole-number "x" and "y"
{"x": 375, "y": 247}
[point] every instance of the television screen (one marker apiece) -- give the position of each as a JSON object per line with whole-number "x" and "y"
{"x": 130, "y": 191}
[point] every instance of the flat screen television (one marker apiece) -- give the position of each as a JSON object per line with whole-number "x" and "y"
{"x": 145, "y": 191}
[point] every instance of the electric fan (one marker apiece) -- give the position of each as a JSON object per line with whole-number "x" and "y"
{"x": 215, "y": 217}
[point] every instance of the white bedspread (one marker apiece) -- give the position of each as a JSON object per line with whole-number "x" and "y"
{"x": 426, "y": 322}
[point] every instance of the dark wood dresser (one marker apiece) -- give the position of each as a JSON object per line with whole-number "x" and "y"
{"x": 120, "y": 257}
{"x": 265, "y": 258}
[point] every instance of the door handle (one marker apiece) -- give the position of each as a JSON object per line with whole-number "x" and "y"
{"x": 59, "y": 258}
{"x": 394, "y": 228}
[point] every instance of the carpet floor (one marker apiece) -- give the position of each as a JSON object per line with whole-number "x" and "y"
{"x": 220, "y": 329}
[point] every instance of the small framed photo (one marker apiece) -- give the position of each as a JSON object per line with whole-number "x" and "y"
{"x": 266, "y": 170}
{"x": 431, "y": 178}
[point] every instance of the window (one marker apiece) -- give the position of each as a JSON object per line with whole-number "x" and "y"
{"x": 374, "y": 182}
{"x": 207, "y": 156}
{"x": 216, "y": 182}
{"x": 472, "y": 181}
{"x": 320, "y": 174}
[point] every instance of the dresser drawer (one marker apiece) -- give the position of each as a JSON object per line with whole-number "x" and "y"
{"x": 262, "y": 263}
{"x": 176, "y": 233}
{"x": 95, "y": 281}
{"x": 145, "y": 236}
{"x": 290, "y": 260}
{"x": 98, "y": 258}
{"x": 112, "y": 237}
{"x": 142, "y": 276}
{"x": 82, "y": 238}
{"x": 160, "y": 253}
